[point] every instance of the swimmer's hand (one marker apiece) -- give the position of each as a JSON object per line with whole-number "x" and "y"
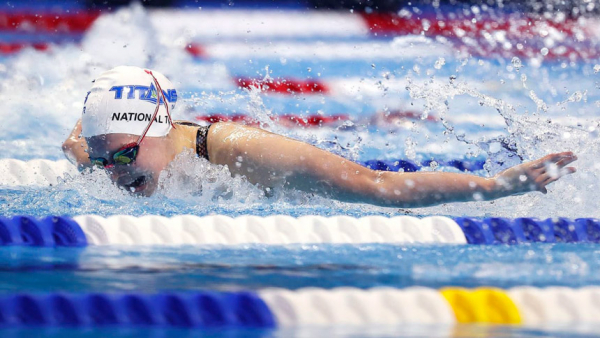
{"x": 534, "y": 175}
{"x": 75, "y": 148}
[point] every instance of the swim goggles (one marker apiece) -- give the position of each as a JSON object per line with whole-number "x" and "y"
{"x": 127, "y": 153}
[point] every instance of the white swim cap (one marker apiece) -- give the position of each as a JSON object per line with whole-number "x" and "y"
{"x": 123, "y": 100}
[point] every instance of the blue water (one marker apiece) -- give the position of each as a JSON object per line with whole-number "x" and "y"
{"x": 152, "y": 269}
{"x": 181, "y": 268}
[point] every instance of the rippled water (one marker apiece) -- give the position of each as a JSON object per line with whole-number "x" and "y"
{"x": 537, "y": 108}
{"x": 153, "y": 269}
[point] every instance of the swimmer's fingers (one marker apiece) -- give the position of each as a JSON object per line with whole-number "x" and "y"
{"x": 560, "y": 159}
{"x": 562, "y": 172}
{"x": 540, "y": 183}
{"x": 566, "y": 161}
{"x": 543, "y": 180}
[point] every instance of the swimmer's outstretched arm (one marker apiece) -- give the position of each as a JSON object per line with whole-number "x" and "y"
{"x": 272, "y": 160}
{"x": 75, "y": 148}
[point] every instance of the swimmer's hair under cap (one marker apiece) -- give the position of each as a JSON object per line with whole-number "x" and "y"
{"x": 122, "y": 101}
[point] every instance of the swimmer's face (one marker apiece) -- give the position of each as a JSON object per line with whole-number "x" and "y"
{"x": 141, "y": 176}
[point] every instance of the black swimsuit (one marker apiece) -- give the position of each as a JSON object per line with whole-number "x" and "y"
{"x": 201, "y": 137}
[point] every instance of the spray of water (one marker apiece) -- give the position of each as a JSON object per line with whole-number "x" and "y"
{"x": 47, "y": 91}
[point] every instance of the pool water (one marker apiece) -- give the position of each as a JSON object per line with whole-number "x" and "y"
{"x": 152, "y": 269}
{"x": 478, "y": 103}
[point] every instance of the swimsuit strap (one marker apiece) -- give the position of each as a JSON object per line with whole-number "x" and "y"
{"x": 201, "y": 138}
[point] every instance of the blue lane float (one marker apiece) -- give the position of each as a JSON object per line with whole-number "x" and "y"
{"x": 409, "y": 166}
{"x": 199, "y": 309}
{"x": 529, "y": 230}
{"x": 50, "y": 231}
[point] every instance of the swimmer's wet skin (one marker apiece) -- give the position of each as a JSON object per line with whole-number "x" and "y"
{"x": 267, "y": 159}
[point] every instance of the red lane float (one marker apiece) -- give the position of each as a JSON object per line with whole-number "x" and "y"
{"x": 284, "y": 86}
{"x": 293, "y": 121}
{"x": 525, "y": 28}
{"x": 77, "y": 22}
{"x": 12, "y": 48}
{"x": 508, "y": 37}
{"x": 196, "y": 50}
{"x": 285, "y": 120}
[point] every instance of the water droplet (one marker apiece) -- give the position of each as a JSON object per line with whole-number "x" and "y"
{"x": 439, "y": 63}
{"x": 516, "y": 62}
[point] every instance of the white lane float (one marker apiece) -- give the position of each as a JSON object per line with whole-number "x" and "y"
{"x": 218, "y": 229}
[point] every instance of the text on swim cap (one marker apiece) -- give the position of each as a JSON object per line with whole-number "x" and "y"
{"x": 146, "y": 93}
{"x": 138, "y": 117}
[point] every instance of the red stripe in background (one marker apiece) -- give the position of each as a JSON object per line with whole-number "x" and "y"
{"x": 47, "y": 22}
{"x": 196, "y": 50}
{"x": 12, "y": 48}
{"x": 286, "y": 120}
{"x": 528, "y": 32}
{"x": 393, "y": 24}
{"x": 381, "y": 119}
{"x": 284, "y": 86}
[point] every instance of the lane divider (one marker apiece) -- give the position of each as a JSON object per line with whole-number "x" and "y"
{"x": 504, "y": 36}
{"x": 381, "y": 119}
{"x": 294, "y": 24}
{"x": 280, "y": 230}
{"x": 496, "y": 230}
{"x": 49, "y": 231}
{"x": 204, "y": 310}
{"x": 47, "y": 173}
{"x": 274, "y": 307}
{"x": 513, "y": 25}
{"x": 275, "y": 230}
{"x": 15, "y": 47}
{"x": 285, "y": 86}
{"x": 48, "y": 22}
{"x": 528, "y": 306}
{"x": 34, "y": 172}
{"x": 483, "y": 305}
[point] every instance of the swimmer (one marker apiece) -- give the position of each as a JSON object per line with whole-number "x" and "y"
{"x": 126, "y": 129}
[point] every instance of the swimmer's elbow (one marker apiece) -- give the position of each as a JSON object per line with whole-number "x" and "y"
{"x": 74, "y": 152}
{"x": 67, "y": 148}
{"x": 67, "y": 145}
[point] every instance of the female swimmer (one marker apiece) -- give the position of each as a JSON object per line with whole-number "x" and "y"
{"x": 127, "y": 130}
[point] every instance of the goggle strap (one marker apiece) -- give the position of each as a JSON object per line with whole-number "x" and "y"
{"x": 149, "y": 124}
{"x": 161, "y": 93}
